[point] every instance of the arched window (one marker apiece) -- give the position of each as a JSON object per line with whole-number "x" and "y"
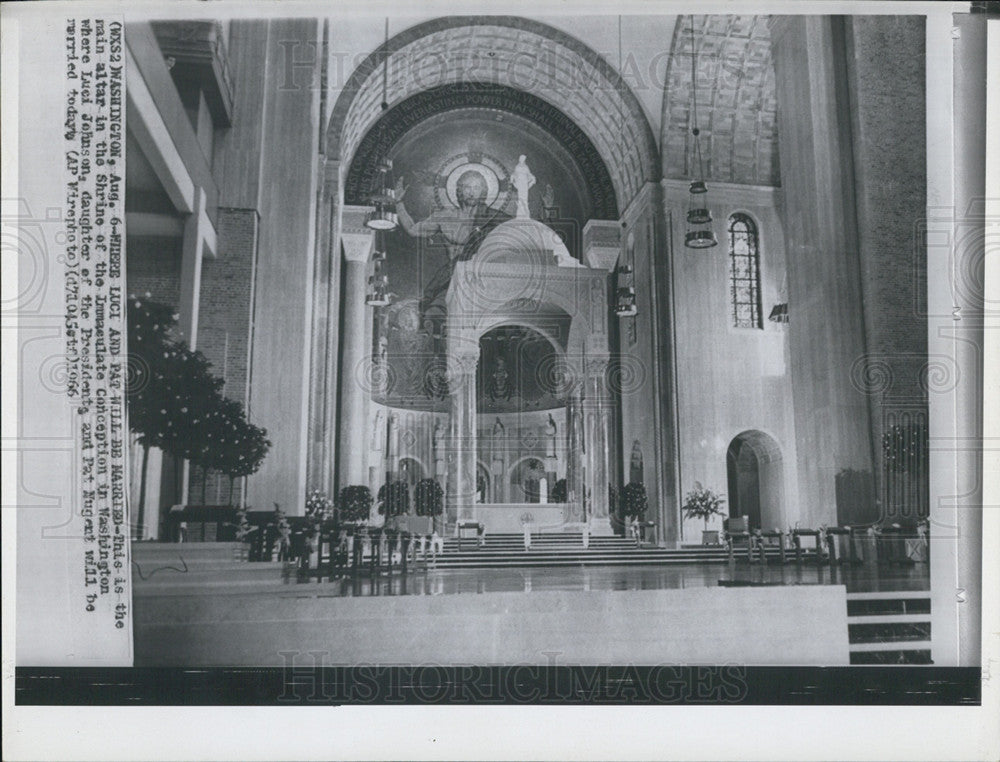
{"x": 744, "y": 272}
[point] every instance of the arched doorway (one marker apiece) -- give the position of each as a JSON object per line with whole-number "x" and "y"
{"x": 410, "y": 471}
{"x": 483, "y": 483}
{"x": 755, "y": 476}
{"x": 525, "y": 481}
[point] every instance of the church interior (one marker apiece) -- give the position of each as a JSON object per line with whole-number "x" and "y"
{"x": 578, "y": 277}
{"x": 546, "y": 306}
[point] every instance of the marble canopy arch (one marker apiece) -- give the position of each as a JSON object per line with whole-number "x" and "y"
{"x": 527, "y": 55}
{"x": 527, "y": 284}
{"x": 575, "y": 81}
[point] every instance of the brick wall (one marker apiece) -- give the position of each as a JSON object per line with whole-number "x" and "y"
{"x": 885, "y": 73}
{"x": 225, "y": 324}
{"x": 154, "y": 267}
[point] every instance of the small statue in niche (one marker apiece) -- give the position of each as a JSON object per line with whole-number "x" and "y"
{"x": 437, "y": 436}
{"x": 549, "y": 197}
{"x": 550, "y": 437}
{"x": 522, "y": 180}
{"x": 499, "y": 383}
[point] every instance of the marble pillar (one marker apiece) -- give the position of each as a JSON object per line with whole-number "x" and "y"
{"x": 575, "y": 445}
{"x": 354, "y": 396}
{"x": 598, "y": 420}
{"x": 461, "y": 491}
{"x": 392, "y": 449}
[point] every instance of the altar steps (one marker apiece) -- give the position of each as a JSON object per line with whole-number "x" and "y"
{"x": 566, "y": 549}
{"x": 889, "y": 627}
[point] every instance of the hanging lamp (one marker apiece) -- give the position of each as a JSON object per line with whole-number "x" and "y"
{"x": 625, "y": 303}
{"x": 378, "y": 282}
{"x": 382, "y": 218}
{"x": 383, "y": 215}
{"x": 699, "y": 234}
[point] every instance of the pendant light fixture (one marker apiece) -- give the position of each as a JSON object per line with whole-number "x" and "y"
{"x": 625, "y": 304}
{"x": 378, "y": 282}
{"x": 383, "y": 216}
{"x": 699, "y": 234}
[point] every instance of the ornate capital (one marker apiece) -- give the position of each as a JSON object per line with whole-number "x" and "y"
{"x": 461, "y": 370}
{"x": 597, "y": 366}
{"x": 352, "y": 219}
{"x": 357, "y": 246}
{"x": 358, "y": 239}
{"x": 601, "y": 244}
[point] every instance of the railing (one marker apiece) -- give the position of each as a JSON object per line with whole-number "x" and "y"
{"x": 853, "y": 545}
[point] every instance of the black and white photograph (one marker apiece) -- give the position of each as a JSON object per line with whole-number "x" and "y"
{"x": 519, "y": 358}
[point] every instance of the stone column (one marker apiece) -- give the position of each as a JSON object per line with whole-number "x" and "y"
{"x": 392, "y": 449}
{"x": 461, "y": 492}
{"x": 198, "y": 243}
{"x": 830, "y": 372}
{"x": 357, "y": 244}
{"x": 597, "y": 423}
{"x": 574, "y": 456}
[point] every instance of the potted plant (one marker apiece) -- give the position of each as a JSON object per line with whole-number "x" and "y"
{"x": 429, "y": 498}
{"x": 633, "y": 504}
{"x": 355, "y": 503}
{"x": 559, "y": 494}
{"x": 703, "y": 503}
{"x": 394, "y": 501}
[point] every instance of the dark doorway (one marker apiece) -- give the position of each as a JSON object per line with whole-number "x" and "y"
{"x": 755, "y": 480}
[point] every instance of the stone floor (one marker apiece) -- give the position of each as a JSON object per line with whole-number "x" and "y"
{"x": 857, "y": 579}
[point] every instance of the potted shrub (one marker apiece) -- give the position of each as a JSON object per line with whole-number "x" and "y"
{"x": 559, "y": 493}
{"x": 355, "y": 503}
{"x": 393, "y": 501}
{"x": 633, "y": 503}
{"x": 429, "y": 498}
{"x": 703, "y": 503}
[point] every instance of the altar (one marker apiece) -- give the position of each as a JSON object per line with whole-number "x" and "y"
{"x": 500, "y": 518}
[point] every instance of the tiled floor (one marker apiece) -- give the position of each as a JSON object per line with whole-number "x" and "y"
{"x": 475, "y": 581}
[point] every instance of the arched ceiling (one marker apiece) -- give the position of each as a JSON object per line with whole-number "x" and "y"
{"x": 490, "y": 119}
{"x": 737, "y": 105}
{"x": 516, "y": 53}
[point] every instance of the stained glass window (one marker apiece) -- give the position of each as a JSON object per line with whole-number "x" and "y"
{"x": 744, "y": 272}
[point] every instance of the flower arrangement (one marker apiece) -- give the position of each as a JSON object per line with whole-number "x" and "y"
{"x": 318, "y": 506}
{"x": 284, "y": 530}
{"x": 355, "y": 503}
{"x": 243, "y": 527}
{"x": 702, "y": 503}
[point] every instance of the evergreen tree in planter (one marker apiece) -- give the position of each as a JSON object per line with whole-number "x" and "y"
{"x": 169, "y": 389}
{"x": 702, "y": 503}
{"x": 246, "y": 459}
{"x": 559, "y": 492}
{"x": 355, "y": 503}
{"x": 175, "y": 403}
{"x": 634, "y": 501}
{"x": 429, "y": 498}
{"x": 394, "y": 500}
